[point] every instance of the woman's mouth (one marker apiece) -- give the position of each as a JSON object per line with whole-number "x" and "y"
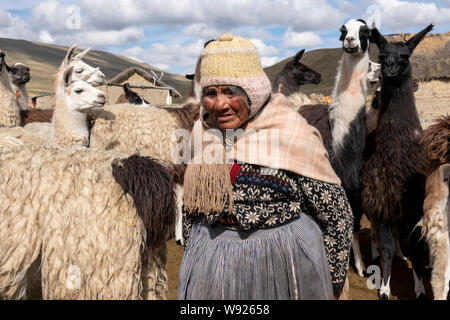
{"x": 225, "y": 117}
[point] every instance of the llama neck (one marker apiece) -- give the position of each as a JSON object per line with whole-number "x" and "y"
{"x": 69, "y": 127}
{"x": 397, "y": 100}
{"x": 9, "y": 108}
{"x": 348, "y": 97}
{"x": 287, "y": 84}
{"x": 21, "y": 93}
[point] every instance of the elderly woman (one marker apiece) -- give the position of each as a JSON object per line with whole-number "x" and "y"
{"x": 265, "y": 216}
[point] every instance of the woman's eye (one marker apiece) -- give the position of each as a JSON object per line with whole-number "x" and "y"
{"x": 210, "y": 94}
{"x": 228, "y": 93}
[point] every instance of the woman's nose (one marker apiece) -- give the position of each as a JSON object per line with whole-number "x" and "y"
{"x": 221, "y": 102}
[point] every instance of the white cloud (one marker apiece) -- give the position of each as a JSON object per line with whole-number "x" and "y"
{"x": 302, "y": 15}
{"x": 301, "y": 40}
{"x": 46, "y": 37}
{"x": 105, "y": 39}
{"x": 263, "y": 49}
{"x": 16, "y": 28}
{"x": 260, "y": 33}
{"x": 51, "y": 16}
{"x": 401, "y": 14}
{"x": 168, "y": 56}
{"x": 5, "y": 19}
{"x": 268, "y": 61}
{"x": 201, "y": 30}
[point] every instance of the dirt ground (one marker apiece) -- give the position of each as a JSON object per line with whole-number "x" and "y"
{"x": 402, "y": 282}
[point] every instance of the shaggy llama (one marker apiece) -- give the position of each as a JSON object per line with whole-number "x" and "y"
{"x": 66, "y": 210}
{"x": 395, "y": 170}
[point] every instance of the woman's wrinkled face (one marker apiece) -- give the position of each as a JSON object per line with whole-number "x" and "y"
{"x": 228, "y": 110}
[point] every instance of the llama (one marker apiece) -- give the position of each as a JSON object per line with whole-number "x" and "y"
{"x": 82, "y": 71}
{"x": 20, "y": 76}
{"x": 293, "y": 75}
{"x": 69, "y": 126}
{"x": 395, "y": 170}
{"x": 9, "y": 108}
{"x": 131, "y": 97}
{"x": 69, "y": 122}
{"x": 435, "y": 227}
{"x": 342, "y": 124}
{"x": 94, "y": 220}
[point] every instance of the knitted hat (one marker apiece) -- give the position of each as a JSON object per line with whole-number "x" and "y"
{"x": 235, "y": 61}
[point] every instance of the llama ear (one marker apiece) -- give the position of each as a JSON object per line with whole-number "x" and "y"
{"x": 126, "y": 87}
{"x": 82, "y": 54}
{"x": 8, "y": 68}
{"x": 67, "y": 77}
{"x": 377, "y": 38}
{"x": 298, "y": 56}
{"x": 69, "y": 55}
{"x": 414, "y": 41}
{"x": 190, "y": 76}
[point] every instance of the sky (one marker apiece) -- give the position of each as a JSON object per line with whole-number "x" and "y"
{"x": 169, "y": 34}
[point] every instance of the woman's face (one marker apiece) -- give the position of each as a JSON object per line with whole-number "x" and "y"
{"x": 228, "y": 110}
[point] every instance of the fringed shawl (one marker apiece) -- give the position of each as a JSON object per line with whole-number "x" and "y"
{"x": 277, "y": 137}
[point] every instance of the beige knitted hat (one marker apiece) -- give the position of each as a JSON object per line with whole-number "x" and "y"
{"x": 234, "y": 61}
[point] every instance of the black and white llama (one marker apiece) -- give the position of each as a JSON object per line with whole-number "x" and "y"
{"x": 395, "y": 169}
{"x": 133, "y": 97}
{"x": 342, "y": 124}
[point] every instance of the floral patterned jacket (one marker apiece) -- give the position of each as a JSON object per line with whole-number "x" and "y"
{"x": 267, "y": 198}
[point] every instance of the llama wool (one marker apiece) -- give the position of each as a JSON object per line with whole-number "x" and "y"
{"x": 65, "y": 206}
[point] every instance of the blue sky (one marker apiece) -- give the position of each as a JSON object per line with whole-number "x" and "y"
{"x": 169, "y": 34}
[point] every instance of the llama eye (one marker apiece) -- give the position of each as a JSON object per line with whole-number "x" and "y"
{"x": 78, "y": 91}
{"x": 79, "y": 70}
{"x": 343, "y": 31}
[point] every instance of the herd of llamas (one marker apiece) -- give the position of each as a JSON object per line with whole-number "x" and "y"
{"x": 90, "y": 193}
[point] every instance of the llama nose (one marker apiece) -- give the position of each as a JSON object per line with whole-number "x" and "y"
{"x": 101, "y": 97}
{"x": 350, "y": 38}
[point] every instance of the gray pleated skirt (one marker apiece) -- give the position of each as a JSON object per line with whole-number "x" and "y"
{"x": 286, "y": 262}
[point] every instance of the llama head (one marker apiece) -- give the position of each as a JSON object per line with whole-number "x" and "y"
{"x": 374, "y": 72}
{"x": 394, "y": 56}
{"x": 19, "y": 73}
{"x": 302, "y": 73}
{"x": 355, "y": 36}
{"x": 80, "y": 95}
{"x": 131, "y": 96}
{"x": 92, "y": 75}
